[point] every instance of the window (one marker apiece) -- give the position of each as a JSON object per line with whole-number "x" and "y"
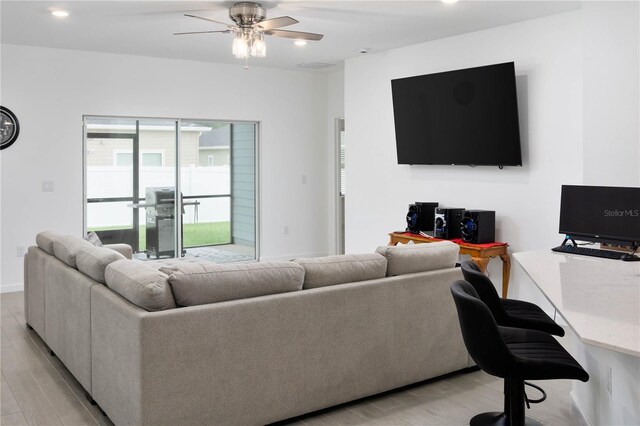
{"x": 124, "y": 159}
{"x": 152, "y": 159}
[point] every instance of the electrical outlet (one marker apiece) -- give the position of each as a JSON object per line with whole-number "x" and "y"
{"x": 609, "y": 381}
{"x": 21, "y": 251}
{"x": 286, "y": 230}
{"x": 304, "y": 179}
{"x": 48, "y": 186}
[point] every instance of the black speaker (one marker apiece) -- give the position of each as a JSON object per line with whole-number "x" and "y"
{"x": 420, "y": 217}
{"x": 412, "y": 219}
{"x": 446, "y": 223}
{"x": 478, "y": 226}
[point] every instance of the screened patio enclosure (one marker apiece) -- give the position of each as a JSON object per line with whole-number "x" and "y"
{"x": 172, "y": 187}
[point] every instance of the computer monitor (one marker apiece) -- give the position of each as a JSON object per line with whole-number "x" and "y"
{"x": 601, "y": 214}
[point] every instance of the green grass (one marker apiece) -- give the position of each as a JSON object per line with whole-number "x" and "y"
{"x": 204, "y": 234}
{"x": 193, "y": 234}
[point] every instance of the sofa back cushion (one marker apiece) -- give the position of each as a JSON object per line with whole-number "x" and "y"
{"x": 411, "y": 258}
{"x": 346, "y": 268}
{"x": 45, "y": 240}
{"x": 124, "y": 249}
{"x": 207, "y": 282}
{"x": 140, "y": 284}
{"x": 66, "y": 247}
{"x": 93, "y": 261}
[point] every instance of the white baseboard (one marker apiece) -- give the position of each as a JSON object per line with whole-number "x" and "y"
{"x": 10, "y": 288}
{"x": 288, "y": 257}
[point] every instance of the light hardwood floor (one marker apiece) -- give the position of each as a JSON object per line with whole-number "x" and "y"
{"x": 37, "y": 389}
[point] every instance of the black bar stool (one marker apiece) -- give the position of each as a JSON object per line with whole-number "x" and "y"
{"x": 508, "y": 312}
{"x": 514, "y": 354}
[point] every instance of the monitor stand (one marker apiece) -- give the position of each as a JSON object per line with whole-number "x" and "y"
{"x": 568, "y": 238}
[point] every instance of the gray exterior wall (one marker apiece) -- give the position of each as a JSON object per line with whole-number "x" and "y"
{"x": 243, "y": 183}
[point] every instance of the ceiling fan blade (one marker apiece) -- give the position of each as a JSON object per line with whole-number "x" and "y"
{"x": 207, "y": 19}
{"x": 279, "y": 22}
{"x": 202, "y": 32}
{"x": 299, "y": 35}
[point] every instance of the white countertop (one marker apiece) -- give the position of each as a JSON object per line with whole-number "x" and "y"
{"x": 599, "y": 298}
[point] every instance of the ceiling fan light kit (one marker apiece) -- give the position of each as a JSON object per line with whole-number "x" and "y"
{"x": 249, "y": 42}
{"x": 251, "y": 27}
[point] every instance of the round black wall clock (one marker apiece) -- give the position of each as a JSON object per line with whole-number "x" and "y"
{"x": 9, "y": 127}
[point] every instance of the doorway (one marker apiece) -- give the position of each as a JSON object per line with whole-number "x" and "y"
{"x": 340, "y": 186}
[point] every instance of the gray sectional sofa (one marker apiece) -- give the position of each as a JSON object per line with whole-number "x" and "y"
{"x": 191, "y": 342}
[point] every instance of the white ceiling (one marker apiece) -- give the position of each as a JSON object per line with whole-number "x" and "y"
{"x": 145, "y": 27}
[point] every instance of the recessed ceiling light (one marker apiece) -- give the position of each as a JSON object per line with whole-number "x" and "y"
{"x": 59, "y": 13}
{"x": 300, "y": 42}
{"x": 449, "y": 1}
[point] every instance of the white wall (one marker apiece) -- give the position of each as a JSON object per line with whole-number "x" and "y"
{"x": 51, "y": 89}
{"x": 611, "y": 75}
{"x": 550, "y": 68}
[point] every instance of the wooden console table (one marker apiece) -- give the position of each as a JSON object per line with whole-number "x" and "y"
{"x": 480, "y": 254}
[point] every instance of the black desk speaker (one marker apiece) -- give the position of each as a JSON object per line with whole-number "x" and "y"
{"x": 478, "y": 226}
{"x": 420, "y": 217}
{"x": 447, "y": 222}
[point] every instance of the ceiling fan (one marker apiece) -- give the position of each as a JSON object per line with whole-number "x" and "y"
{"x": 250, "y": 28}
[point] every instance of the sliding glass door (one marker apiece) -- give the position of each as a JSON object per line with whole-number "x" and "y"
{"x": 130, "y": 183}
{"x": 171, "y": 187}
{"x": 206, "y": 184}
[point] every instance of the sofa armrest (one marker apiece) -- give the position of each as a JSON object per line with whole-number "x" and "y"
{"x": 123, "y": 249}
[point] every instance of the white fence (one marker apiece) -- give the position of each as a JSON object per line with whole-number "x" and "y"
{"x": 111, "y": 181}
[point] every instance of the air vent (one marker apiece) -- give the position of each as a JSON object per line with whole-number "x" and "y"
{"x": 314, "y": 65}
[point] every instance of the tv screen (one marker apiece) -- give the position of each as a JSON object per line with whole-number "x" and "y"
{"x": 600, "y": 213}
{"x": 463, "y": 117}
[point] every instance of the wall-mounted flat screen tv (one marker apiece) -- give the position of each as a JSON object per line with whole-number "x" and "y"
{"x": 462, "y": 117}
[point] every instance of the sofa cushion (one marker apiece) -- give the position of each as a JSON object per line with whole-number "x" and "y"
{"x": 346, "y": 268}
{"x": 140, "y": 284}
{"x": 170, "y": 265}
{"x": 124, "y": 249}
{"x": 410, "y": 258}
{"x": 93, "y": 261}
{"x": 45, "y": 240}
{"x": 207, "y": 282}
{"x": 66, "y": 248}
